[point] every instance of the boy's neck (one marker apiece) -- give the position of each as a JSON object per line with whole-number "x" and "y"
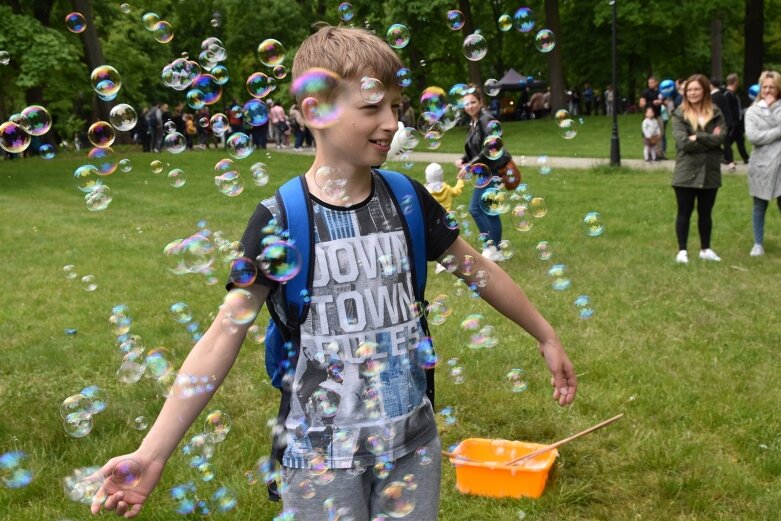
{"x": 358, "y": 182}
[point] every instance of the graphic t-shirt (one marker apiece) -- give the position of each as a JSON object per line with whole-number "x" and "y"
{"x": 359, "y": 388}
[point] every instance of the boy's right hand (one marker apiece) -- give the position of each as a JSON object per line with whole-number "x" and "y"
{"x": 124, "y": 498}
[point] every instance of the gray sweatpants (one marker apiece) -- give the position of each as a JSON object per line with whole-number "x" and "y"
{"x": 362, "y": 496}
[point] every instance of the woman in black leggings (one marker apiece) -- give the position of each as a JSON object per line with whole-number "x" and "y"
{"x": 698, "y": 129}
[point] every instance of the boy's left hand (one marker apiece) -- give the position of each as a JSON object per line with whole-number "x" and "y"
{"x": 564, "y": 381}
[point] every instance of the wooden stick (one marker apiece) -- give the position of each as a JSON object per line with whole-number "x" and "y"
{"x": 459, "y": 457}
{"x": 552, "y": 446}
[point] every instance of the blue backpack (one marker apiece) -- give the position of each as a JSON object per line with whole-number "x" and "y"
{"x": 293, "y": 200}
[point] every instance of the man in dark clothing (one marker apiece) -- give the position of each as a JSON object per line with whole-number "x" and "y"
{"x": 734, "y": 121}
{"x": 651, "y": 97}
{"x": 719, "y": 100}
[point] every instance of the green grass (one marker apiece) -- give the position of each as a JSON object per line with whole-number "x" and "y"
{"x": 542, "y": 137}
{"x": 688, "y": 353}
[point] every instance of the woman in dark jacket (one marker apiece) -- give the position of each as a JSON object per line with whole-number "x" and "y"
{"x": 699, "y": 132}
{"x": 475, "y": 153}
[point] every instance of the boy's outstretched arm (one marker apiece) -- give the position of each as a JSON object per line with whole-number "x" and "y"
{"x": 212, "y": 356}
{"x": 504, "y": 295}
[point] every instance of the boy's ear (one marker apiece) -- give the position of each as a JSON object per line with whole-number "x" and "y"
{"x": 319, "y": 114}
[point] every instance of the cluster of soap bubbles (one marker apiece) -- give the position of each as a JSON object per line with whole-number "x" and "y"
{"x": 455, "y": 371}
{"x": 187, "y": 500}
{"x": 162, "y": 30}
{"x": 81, "y": 486}
{"x": 77, "y": 410}
{"x": 87, "y": 281}
{"x": 13, "y": 470}
{"x": 198, "y": 253}
{"x": 16, "y": 134}
{"x": 516, "y": 377}
{"x": 568, "y": 126}
{"x": 478, "y": 334}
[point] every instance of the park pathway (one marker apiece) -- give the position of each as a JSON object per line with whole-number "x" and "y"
{"x": 554, "y": 162}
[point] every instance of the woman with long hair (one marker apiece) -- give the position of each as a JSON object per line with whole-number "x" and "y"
{"x": 699, "y": 132}
{"x": 490, "y": 225}
{"x": 763, "y": 129}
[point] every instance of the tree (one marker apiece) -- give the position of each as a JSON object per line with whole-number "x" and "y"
{"x": 555, "y": 63}
{"x": 754, "y": 50}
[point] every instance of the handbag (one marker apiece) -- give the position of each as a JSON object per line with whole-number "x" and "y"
{"x": 510, "y": 175}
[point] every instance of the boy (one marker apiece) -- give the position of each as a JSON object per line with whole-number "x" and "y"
{"x": 373, "y": 408}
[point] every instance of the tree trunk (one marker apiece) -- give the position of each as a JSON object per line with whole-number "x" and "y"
{"x": 754, "y": 51}
{"x": 93, "y": 52}
{"x": 555, "y": 63}
{"x": 469, "y": 27}
{"x": 716, "y": 71}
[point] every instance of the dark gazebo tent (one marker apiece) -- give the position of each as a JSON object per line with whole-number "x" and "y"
{"x": 513, "y": 81}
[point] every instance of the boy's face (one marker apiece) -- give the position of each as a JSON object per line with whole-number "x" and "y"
{"x": 363, "y": 132}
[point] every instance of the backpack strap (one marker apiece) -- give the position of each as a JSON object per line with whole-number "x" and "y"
{"x": 293, "y": 201}
{"x": 404, "y": 194}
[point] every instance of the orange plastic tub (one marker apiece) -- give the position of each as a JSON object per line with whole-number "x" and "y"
{"x": 487, "y": 472}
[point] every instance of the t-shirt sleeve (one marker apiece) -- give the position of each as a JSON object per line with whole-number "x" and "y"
{"x": 438, "y": 236}
{"x": 257, "y": 229}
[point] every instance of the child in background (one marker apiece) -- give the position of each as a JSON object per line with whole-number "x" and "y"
{"x": 439, "y": 189}
{"x": 442, "y": 192}
{"x": 651, "y": 135}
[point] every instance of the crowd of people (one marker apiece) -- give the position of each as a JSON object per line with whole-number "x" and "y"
{"x": 283, "y": 129}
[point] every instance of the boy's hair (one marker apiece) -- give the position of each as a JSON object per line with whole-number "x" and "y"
{"x": 349, "y": 53}
{"x": 732, "y": 79}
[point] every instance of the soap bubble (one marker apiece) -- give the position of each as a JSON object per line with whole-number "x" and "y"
{"x": 75, "y": 22}
{"x": 241, "y": 306}
{"x": 593, "y": 224}
{"x": 271, "y": 52}
{"x": 175, "y": 143}
{"x": 584, "y": 307}
{"x": 149, "y": 20}
{"x": 492, "y": 87}
{"x": 560, "y": 281}
{"x": 520, "y": 217}
{"x": 123, "y": 117}
{"x": 543, "y": 165}
{"x": 397, "y": 499}
{"x": 545, "y": 41}
{"x": 259, "y": 85}
{"x": 494, "y": 201}
{"x": 5, "y": 58}
{"x": 13, "y": 473}
{"x": 404, "y": 77}
{"x": 523, "y": 20}
{"x": 475, "y": 47}
{"x": 538, "y": 207}
{"x": 127, "y": 473}
{"x": 101, "y": 134}
{"x": 105, "y": 81}
{"x": 259, "y": 174}
{"x": 517, "y": 380}
{"x": 568, "y": 128}
{"x": 217, "y": 426}
{"x": 398, "y": 36}
{"x": 38, "y": 120}
{"x": 345, "y": 11}
{"x": 544, "y": 251}
{"x": 372, "y": 90}
{"x": 88, "y": 282}
{"x": 13, "y": 138}
{"x": 280, "y": 261}
{"x": 163, "y": 32}
{"x": 176, "y": 178}
{"x": 505, "y": 22}
{"x": 239, "y": 145}
{"x": 455, "y": 19}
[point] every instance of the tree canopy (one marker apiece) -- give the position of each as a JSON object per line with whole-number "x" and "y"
{"x": 666, "y": 37}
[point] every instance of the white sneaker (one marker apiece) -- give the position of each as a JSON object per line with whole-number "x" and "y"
{"x": 682, "y": 257}
{"x": 440, "y": 268}
{"x": 757, "y": 250}
{"x": 498, "y": 257}
{"x": 709, "y": 255}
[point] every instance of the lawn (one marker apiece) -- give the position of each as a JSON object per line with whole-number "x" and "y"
{"x": 687, "y": 353}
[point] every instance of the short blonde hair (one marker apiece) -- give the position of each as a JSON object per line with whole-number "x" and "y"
{"x": 773, "y": 76}
{"x": 349, "y": 53}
